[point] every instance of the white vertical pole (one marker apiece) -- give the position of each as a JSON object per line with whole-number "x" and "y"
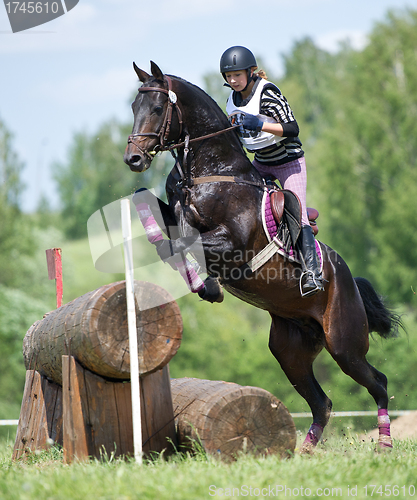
{"x": 131, "y": 320}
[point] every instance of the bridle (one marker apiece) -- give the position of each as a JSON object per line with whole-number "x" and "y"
{"x": 186, "y": 181}
{"x": 165, "y": 129}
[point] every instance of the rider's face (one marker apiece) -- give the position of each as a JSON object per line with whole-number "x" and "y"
{"x": 237, "y": 79}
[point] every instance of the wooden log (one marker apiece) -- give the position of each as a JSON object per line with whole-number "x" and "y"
{"x": 93, "y": 329}
{"x": 97, "y": 414}
{"x": 227, "y": 418}
{"x": 40, "y": 422}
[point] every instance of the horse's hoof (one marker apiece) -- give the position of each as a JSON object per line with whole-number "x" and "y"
{"x": 307, "y": 449}
{"x": 384, "y": 444}
{"x": 212, "y": 291}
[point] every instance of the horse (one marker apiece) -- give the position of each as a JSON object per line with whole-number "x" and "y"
{"x": 214, "y": 190}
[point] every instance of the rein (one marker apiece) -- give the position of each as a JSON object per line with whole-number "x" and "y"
{"x": 163, "y": 134}
{"x": 196, "y": 139}
{"x": 203, "y": 137}
{"x": 165, "y": 129}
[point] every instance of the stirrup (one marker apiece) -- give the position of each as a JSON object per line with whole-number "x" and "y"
{"x": 318, "y": 282}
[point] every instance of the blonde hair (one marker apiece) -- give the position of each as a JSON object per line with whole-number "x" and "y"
{"x": 261, "y": 73}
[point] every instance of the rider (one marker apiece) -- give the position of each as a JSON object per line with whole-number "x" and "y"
{"x": 269, "y": 129}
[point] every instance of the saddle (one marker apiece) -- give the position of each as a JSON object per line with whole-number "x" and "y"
{"x": 286, "y": 209}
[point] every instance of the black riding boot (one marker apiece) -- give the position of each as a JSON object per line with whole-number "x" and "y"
{"x": 312, "y": 279}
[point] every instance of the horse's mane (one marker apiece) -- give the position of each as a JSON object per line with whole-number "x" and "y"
{"x": 208, "y": 100}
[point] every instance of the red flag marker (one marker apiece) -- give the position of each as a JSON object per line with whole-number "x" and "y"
{"x": 54, "y": 263}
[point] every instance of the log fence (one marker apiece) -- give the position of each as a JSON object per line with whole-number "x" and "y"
{"x": 78, "y": 392}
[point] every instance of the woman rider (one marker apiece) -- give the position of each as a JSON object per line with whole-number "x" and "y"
{"x": 269, "y": 130}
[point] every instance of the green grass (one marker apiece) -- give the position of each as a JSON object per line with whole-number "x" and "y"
{"x": 342, "y": 461}
{"x": 338, "y": 465}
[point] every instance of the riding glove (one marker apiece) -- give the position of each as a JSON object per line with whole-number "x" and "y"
{"x": 252, "y": 122}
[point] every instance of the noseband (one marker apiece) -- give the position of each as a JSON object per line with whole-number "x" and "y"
{"x": 165, "y": 129}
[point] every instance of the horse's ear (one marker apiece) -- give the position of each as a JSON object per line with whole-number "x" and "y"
{"x": 156, "y": 72}
{"x": 142, "y": 75}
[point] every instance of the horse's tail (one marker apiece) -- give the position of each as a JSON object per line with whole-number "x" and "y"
{"x": 380, "y": 319}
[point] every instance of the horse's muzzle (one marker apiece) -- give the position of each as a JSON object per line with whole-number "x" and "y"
{"x": 137, "y": 161}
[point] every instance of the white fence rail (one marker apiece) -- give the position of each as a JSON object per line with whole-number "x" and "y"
{"x": 9, "y": 422}
{"x": 393, "y": 413}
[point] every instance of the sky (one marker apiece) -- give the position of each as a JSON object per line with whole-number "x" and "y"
{"x": 75, "y": 72}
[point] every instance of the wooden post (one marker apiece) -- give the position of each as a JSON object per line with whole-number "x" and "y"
{"x": 40, "y": 422}
{"x": 97, "y": 417}
{"x": 75, "y": 431}
{"x": 91, "y": 416}
{"x": 54, "y": 263}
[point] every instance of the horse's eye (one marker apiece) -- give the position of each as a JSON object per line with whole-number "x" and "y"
{"x": 158, "y": 110}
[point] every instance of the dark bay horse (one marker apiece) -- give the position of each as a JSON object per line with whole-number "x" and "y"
{"x": 170, "y": 113}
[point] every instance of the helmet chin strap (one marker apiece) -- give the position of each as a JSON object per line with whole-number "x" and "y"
{"x": 250, "y": 79}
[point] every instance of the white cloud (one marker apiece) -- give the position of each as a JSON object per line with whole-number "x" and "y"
{"x": 331, "y": 41}
{"x": 80, "y": 14}
{"x": 184, "y": 9}
{"x": 89, "y": 89}
{"x": 69, "y": 31}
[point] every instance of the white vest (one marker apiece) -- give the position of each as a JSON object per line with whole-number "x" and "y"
{"x": 251, "y": 139}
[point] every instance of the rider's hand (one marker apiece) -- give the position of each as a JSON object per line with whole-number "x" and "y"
{"x": 252, "y": 122}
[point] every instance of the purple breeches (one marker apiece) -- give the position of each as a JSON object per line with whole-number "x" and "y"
{"x": 291, "y": 176}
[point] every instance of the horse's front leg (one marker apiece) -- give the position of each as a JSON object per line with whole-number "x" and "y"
{"x": 160, "y": 214}
{"x": 209, "y": 249}
{"x": 215, "y": 250}
{"x": 154, "y": 215}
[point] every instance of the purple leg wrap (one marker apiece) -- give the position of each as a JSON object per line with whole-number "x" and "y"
{"x": 152, "y": 230}
{"x": 384, "y": 440}
{"x": 313, "y": 435}
{"x": 187, "y": 271}
{"x": 154, "y": 234}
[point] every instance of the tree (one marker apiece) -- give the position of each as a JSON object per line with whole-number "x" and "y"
{"x": 310, "y": 73}
{"x": 17, "y": 312}
{"x": 356, "y": 111}
{"x": 10, "y": 169}
{"x": 15, "y": 232}
{"x": 392, "y": 150}
{"x": 368, "y": 160}
{"x": 95, "y": 175}
{"x": 19, "y": 268}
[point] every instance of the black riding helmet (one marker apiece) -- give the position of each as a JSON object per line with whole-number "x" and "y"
{"x": 237, "y": 58}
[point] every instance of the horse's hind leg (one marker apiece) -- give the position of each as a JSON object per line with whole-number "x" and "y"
{"x": 347, "y": 340}
{"x": 295, "y": 350}
{"x": 376, "y": 382}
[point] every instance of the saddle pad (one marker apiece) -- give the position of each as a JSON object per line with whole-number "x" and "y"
{"x": 270, "y": 228}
